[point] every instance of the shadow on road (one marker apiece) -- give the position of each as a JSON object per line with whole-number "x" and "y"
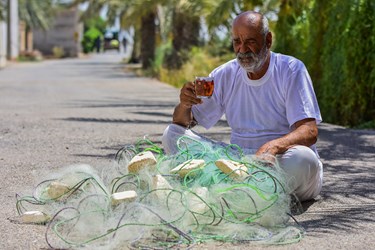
{"x": 347, "y": 200}
{"x": 124, "y": 104}
{"x": 104, "y": 120}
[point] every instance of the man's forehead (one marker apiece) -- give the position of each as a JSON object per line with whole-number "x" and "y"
{"x": 244, "y": 36}
{"x": 245, "y": 31}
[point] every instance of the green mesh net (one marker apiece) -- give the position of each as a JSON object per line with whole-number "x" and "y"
{"x": 169, "y": 207}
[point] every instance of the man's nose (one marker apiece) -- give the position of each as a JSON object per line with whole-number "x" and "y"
{"x": 242, "y": 48}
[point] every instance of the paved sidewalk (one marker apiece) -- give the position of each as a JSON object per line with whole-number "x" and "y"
{"x": 62, "y": 112}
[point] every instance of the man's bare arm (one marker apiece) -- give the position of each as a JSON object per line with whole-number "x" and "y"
{"x": 182, "y": 115}
{"x": 305, "y": 133}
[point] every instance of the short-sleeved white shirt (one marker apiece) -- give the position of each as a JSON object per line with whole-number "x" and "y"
{"x": 260, "y": 110}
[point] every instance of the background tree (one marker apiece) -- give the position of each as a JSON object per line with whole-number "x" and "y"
{"x": 186, "y": 24}
{"x": 335, "y": 39}
{"x": 291, "y": 31}
{"x": 2, "y": 9}
{"x": 317, "y": 27}
{"x": 347, "y": 87}
{"x": 35, "y": 14}
{"x": 148, "y": 36}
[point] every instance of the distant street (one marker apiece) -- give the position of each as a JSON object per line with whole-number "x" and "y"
{"x": 61, "y": 112}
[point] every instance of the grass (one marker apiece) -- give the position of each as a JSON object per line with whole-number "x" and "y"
{"x": 200, "y": 64}
{"x": 366, "y": 125}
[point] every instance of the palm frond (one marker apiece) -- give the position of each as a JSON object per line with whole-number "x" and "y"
{"x": 36, "y": 13}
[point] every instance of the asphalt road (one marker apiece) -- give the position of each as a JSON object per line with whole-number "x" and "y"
{"x": 61, "y": 112}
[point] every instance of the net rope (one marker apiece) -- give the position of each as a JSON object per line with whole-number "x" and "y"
{"x": 205, "y": 205}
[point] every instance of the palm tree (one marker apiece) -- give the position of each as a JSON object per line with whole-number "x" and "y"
{"x": 35, "y": 14}
{"x": 94, "y": 7}
{"x": 142, "y": 16}
{"x": 186, "y": 24}
{"x": 148, "y": 35}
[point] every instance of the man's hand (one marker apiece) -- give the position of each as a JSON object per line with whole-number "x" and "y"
{"x": 268, "y": 148}
{"x": 267, "y": 152}
{"x": 188, "y": 97}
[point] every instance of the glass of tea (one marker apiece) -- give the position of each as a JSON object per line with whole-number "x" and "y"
{"x": 204, "y": 86}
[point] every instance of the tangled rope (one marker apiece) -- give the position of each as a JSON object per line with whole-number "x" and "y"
{"x": 251, "y": 203}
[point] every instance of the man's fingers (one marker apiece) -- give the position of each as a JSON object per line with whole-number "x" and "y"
{"x": 188, "y": 96}
{"x": 265, "y": 159}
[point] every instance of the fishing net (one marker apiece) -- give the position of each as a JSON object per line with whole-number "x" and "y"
{"x": 148, "y": 199}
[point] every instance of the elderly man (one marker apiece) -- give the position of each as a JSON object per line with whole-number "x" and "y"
{"x": 269, "y": 103}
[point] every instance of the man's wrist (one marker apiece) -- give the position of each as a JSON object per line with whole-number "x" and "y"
{"x": 192, "y": 123}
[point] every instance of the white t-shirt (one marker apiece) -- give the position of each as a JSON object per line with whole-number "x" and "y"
{"x": 260, "y": 110}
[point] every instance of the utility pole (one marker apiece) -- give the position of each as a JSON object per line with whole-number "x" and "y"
{"x": 13, "y": 30}
{"x": 3, "y": 44}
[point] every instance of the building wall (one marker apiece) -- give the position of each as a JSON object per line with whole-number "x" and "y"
{"x": 3, "y": 44}
{"x": 64, "y": 33}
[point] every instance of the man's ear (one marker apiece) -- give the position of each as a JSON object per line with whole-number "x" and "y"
{"x": 269, "y": 40}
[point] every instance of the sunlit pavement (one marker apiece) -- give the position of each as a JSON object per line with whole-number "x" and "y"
{"x": 61, "y": 112}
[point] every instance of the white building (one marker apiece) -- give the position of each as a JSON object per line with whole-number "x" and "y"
{"x": 65, "y": 33}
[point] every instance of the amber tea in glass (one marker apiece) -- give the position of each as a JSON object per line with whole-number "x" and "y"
{"x": 204, "y": 86}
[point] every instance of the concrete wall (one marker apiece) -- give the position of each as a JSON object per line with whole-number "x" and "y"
{"x": 3, "y": 44}
{"x": 65, "y": 33}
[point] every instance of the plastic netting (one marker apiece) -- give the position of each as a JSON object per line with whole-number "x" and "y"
{"x": 250, "y": 204}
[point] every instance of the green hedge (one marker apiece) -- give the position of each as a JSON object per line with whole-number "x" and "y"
{"x": 336, "y": 40}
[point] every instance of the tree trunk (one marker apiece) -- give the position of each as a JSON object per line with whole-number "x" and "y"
{"x": 185, "y": 30}
{"x": 148, "y": 39}
{"x": 134, "y": 58}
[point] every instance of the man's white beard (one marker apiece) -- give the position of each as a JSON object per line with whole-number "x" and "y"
{"x": 252, "y": 62}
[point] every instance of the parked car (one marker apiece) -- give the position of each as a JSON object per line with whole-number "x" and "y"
{"x": 110, "y": 44}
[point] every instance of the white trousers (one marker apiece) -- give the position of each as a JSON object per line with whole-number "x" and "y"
{"x": 302, "y": 166}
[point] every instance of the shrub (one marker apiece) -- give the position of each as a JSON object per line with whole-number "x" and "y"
{"x": 88, "y": 40}
{"x": 30, "y": 56}
{"x": 199, "y": 64}
{"x": 58, "y": 52}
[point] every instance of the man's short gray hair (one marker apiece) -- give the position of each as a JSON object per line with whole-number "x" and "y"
{"x": 265, "y": 26}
